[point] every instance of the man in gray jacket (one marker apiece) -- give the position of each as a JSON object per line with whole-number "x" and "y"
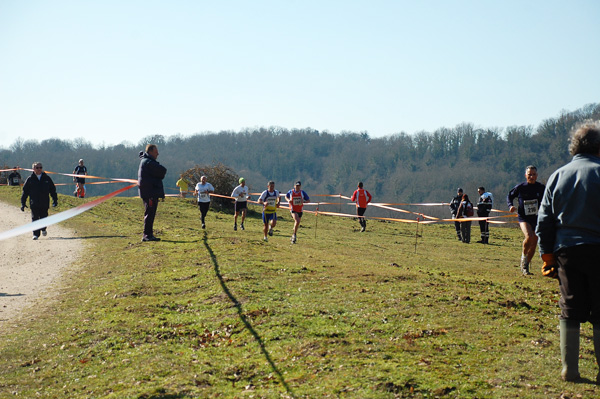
{"x": 569, "y": 239}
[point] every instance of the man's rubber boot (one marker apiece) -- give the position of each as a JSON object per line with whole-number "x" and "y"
{"x": 597, "y": 349}
{"x": 569, "y": 349}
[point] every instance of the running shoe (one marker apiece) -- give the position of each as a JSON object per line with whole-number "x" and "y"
{"x": 265, "y": 239}
{"x": 271, "y": 232}
{"x": 44, "y": 233}
{"x": 242, "y": 226}
{"x": 235, "y": 227}
{"x": 35, "y": 237}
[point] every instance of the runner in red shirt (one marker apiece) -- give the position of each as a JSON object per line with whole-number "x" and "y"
{"x": 296, "y": 199}
{"x": 362, "y": 198}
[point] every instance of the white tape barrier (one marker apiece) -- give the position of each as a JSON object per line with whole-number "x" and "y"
{"x": 59, "y": 217}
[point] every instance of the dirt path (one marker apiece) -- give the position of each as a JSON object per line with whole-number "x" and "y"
{"x": 29, "y": 268}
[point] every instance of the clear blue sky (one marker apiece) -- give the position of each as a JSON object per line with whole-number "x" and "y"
{"x": 116, "y": 70}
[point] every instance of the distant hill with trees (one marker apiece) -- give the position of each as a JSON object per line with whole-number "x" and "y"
{"x": 426, "y": 166}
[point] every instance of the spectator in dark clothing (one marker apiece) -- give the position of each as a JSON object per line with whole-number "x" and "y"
{"x": 484, "y": 207}
{"x": 39, "y": 187}
{"x": 465, "y": 210}
{"x": 454, "y": 204}
{"x": 150, "y": 185}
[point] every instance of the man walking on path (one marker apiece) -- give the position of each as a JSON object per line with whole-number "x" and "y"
{"x": 484, "y": 207}
{"x": 270, "y": 201}
{"x": 529, "y": 194}
{"x": 569, "y": 235}
{"x": 241, "y": 195}
{"x": 362, "y": 198}
{"x": 296, "y": 198}
{"x": 150, "y": 187}
{"x": 203, "y": 191}
{"x": 39, "y": 187}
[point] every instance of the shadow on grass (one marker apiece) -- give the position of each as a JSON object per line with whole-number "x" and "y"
{"x": 238, "y": 307}
{"x": 180, "y": 241}
{"x": 160, "y": 394}
{"x": 83, "y": 238}
{"x": 584, "y": 380}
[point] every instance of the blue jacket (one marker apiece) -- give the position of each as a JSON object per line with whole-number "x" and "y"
{"x": 570, "y": 213}
{"x": 150, "y": 177}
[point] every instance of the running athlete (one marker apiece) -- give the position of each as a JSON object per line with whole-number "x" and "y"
{"x": 530, "y": 194}
{"x": 203, "y": 191}
{"x": 270, "y": 201}
{"x": 241, "y": 195}
{"x": 14, "y": 179}
{"x": 183, "y": 186}
{"x": 362, "y": 198}
{"x": 80, "y": 169}
{"x": 296, "y": 198}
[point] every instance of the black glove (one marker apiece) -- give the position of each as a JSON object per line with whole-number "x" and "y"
{"x": 54, "y": 204}
{"x": 23, "y": 206}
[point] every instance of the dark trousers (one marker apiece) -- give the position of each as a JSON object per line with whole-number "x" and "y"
{"x": 579, "y": 279}
{"x": 465, "y": 229}
{"x": 150, "y": 206}
{"x": 484, "y": 227}
{"x": 37, "y": 214}
{"x": 457, "y": 227}
{"x": 203, "y": 206}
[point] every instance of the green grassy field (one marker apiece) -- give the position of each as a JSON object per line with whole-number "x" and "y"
{"x": 220, "y": 313}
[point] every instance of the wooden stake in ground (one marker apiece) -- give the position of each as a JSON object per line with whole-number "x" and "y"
{"x": 417, "y": 235}
{"x": 316, "y": 219}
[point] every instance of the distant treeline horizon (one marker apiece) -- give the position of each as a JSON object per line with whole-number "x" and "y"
{"x": 422, "y": 167}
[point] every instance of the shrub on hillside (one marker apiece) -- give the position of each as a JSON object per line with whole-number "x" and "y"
{"x": 222, "y": 177}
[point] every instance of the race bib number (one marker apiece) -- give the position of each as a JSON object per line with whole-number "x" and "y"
{"x": 203, "y": 196}
{"x": 271, "y": 203}
{"x": 531, "y": 207}
{"x": 15, "y": 180}
{"x": 242, "y": 195}
{"x": 297, "y": 201}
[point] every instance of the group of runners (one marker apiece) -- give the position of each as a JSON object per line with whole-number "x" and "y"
{"x": 270, "y": 199}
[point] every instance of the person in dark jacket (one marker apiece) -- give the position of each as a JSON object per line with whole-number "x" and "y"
{"x": 454, "y": 204}
{"x": 484, "y": 207}
{"x": 39, "y": 187}
{"x": 150, "y": 186}
{"x": 465, "y": 210}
